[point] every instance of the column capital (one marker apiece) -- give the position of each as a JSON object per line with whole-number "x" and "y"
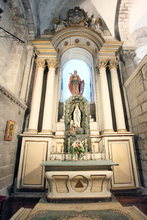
{"x": 102, "y": 63}
{"x": 113, "y": 64}
{"x": 51, "y": 63}
{"x": 40, "y": 62}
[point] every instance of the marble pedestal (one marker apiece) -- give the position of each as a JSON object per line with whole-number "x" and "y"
{"x": 78, "y": 179}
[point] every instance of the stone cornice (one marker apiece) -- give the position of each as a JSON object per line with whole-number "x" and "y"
{"x": 12, "y": 98}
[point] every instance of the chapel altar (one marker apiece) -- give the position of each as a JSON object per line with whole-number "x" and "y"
{"x": 79, "y": 146}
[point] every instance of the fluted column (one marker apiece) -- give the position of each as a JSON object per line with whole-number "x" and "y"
{"x": 107, "y": 114}
{"x": 47, "y": 124}
{"x": 118, "y": 106}
{"x": 36, "y": 97}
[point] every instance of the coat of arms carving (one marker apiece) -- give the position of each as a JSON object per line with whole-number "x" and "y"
{"x": 77, "y": 17}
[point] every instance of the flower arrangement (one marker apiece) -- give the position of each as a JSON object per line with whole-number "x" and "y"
{"x": 78, "y": 149}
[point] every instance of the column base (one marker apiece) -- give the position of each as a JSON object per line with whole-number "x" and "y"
{"x": 46, "y": 132}
{"x": 107, "y": 131}
{"x": 31, "y": 131}
{"x": 121, "y": 130}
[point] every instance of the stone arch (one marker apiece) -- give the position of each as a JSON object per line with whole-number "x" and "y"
{"x": 123, "y": 19}
{"x": 77, "y": 53}
{"x": 32, "y": 27}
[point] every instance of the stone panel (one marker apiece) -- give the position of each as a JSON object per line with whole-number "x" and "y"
{"x": 33, "y": 173}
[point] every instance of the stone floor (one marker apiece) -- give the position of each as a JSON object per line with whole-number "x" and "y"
{"x": 13, "y": 204}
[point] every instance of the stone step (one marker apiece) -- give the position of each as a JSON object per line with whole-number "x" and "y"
{"x": 21, "y": 214}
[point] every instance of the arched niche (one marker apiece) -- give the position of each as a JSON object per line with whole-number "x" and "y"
{"x": 84, "y": 55}
{"x": 77, "y": 53}
{"x": 81, "y": 55}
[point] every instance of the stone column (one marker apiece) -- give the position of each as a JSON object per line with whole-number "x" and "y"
{"x": 107, "y": 114}
{"x": 118, "y": 106}
{"x": 36, "y": 97}
{"x": 47, "y": 124}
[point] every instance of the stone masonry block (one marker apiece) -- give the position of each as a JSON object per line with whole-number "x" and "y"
{"x": 142, "y": 118}
{"x": 6, "y": 181}
{"x": 143, "y": 155}
{"x": 142, "y": 98}
{"x": 144, "y": 107}
{"x": 145, "y": 143}
{"x": 136, "y": 111}
{"x": 145, "y": 84}
{"x": 144, "y": 70}
{"x": 145, "y": 178}
{"x": 135, "y": 121}
{"x": 144, "y": 165}
{"x": 142, "y": 127}
{"x": 138, "y": 80}
{"x": 6, "y": 171}
{"x": 142, "y": 135}
{"x": 140, "y": 89}
{"x": 133, "y": 103}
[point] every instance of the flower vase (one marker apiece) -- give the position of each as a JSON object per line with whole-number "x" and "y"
{"x": 79, "y": 156}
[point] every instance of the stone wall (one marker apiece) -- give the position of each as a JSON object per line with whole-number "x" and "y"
{"x": 10, "y": 110}
{"x": 136, "y": 90}
{"x": 12, "y": 68}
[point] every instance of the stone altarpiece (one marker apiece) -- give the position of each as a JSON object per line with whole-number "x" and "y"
{"x": 102, "y": 141}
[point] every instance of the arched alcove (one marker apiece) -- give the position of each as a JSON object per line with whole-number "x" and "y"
{"x": 84, "y": 72}
{"x": 81, "y": 60}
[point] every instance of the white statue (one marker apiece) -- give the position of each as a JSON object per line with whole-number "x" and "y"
{"x": 58, "y": 24}
{"x": 96, "y": 24}
{"x": 77, "y": 116}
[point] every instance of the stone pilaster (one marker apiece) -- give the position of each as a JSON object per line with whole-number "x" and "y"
{"x": 36, "y": 97}
{"x": 47, "y": 124}
{"x": 107, "y": 114}
{"x": 118, "y": 106}
{"x": 27, "y": 73}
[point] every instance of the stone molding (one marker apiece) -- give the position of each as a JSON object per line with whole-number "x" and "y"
{"x": 40, "y": 62}
{"x": 51, "y": 63}
{"x": 12, "y": 98}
